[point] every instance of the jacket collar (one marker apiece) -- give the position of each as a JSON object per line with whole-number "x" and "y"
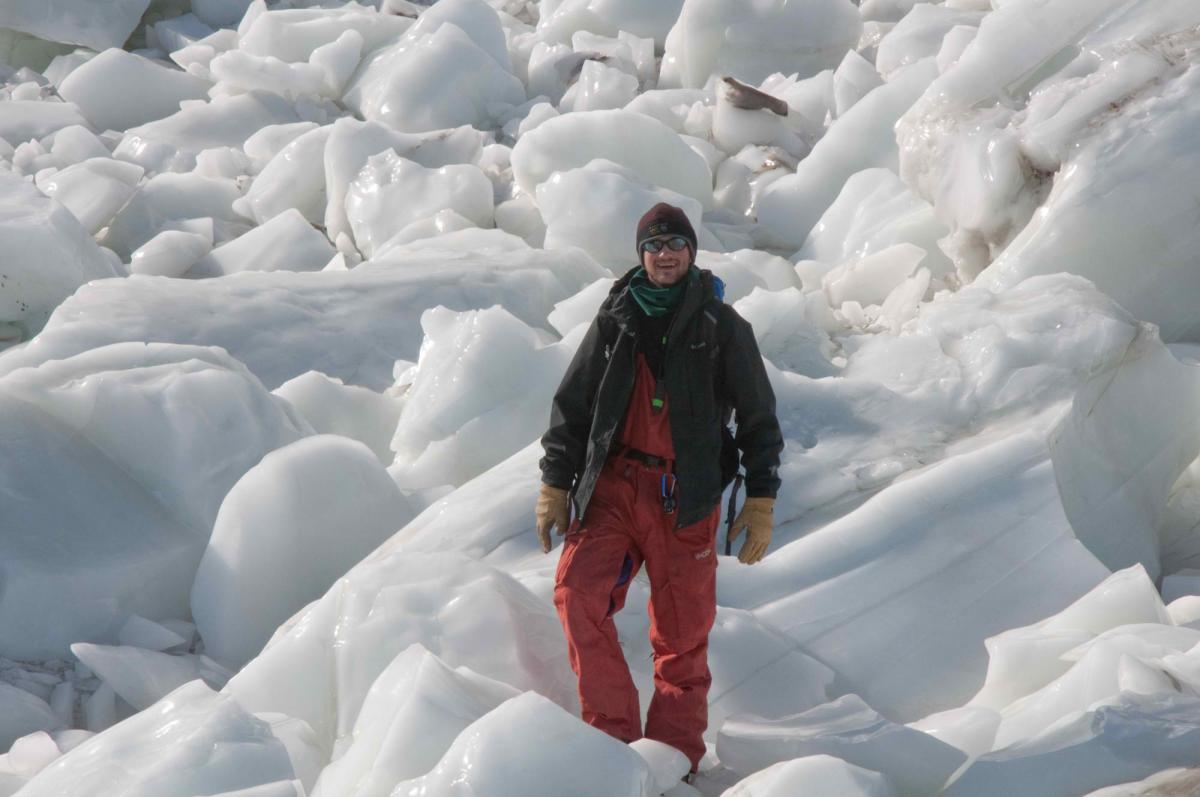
{"x": 623, "y": 308}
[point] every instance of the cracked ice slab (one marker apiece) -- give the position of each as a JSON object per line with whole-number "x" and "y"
{"x": 352, "y": 325}
{"x": 84, "y": 22}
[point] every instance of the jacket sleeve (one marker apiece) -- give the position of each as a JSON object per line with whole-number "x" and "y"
{"x": 749, "y": 392}
{"x": 565, "y": 441}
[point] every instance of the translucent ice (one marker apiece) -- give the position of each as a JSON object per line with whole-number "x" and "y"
{"x": 392, "y": 192}
{"x": 493, "y": 756}
{"x": 287, "y": 242}
{"x": 749, "y": 42}
{"x": 194, "y": 740}
{"x": 597, "y": 208}
{"x": 638, "y": 142}
{"x": 47, "y": 256}
{"x": 117, "y": 90}
{"x": 272, "y": 546}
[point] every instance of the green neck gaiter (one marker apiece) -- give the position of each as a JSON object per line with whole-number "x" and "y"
{"x": 653, "y": 300}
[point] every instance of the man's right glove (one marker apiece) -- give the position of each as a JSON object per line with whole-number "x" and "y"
{"x": 757, "y": 520}
{"x": 553, "y": 510}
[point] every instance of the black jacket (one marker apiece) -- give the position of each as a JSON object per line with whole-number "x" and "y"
{"x": 712, "y": 368}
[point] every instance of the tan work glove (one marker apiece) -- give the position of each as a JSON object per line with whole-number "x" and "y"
{"x": 757, "y": 520}
{"x": 553, "y": 510}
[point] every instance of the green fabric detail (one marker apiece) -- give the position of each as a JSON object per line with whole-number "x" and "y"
{"x": 656, "y": 301}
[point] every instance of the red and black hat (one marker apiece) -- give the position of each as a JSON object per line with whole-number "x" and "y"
{"x": 664, "y": 219}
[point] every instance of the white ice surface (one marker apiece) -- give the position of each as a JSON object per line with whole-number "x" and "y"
{"x": 287, "y": 529}
{"x": 198, "y": 741}
{"x": 494, "y": 756}
{"x": 75, "y": 21}
{"x": 117, "y": 90}
{"x": 862, "y": 139}
{"x": 94, "y": 190}
{"x": 638, "y": 142}
{"x": 597, "y": 208}
{"x": 332, "y": 407}
{"x": 817, "y": 774}
{"x": 143, "y": 677}
{"x": 148, "y": 439}
{"x": 350, "y": 325}
{"x": 848, "y": 729}
{"x": 287, "y": 242}
{"x": 751, "y": 41}
{"x": 962, "y": 463}
{"x": 47, "y": 256}
{"x": 413, "y": 712}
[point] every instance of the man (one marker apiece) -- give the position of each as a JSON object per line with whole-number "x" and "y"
{"x": 638, "y": 440}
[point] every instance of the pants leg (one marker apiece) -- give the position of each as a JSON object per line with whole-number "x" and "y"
{"x": 682, "y": 565}
{"x": 598, "y": 561}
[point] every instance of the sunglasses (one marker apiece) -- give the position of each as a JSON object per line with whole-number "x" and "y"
{"x": 675, "y": 244}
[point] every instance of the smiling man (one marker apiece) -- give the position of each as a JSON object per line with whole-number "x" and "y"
{"x": 639, "y": 443}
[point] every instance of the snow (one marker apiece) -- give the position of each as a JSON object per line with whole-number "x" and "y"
{"x": 270, "y": 546}
{"x": 289, "y": 285}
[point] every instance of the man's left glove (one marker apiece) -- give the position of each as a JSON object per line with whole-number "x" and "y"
{"x": 757, "y": 520}
{"x": 553, "y": 510}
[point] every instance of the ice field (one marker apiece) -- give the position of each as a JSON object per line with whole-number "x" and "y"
{"x": 286, "y": 287}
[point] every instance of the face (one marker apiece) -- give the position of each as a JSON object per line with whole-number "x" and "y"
{"x": 667, "y": 266}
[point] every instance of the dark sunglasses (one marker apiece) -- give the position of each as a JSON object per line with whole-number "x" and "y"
{"x": 675, "y": 244}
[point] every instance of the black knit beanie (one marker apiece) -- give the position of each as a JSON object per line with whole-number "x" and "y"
{"x": 664, "y": 219}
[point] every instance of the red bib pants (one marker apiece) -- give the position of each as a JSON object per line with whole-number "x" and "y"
{"x": 625, "y": 527}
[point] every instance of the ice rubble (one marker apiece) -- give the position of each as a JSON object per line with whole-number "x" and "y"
{"x": 960, "y": 461}
{"x": 76, "y": 21}
{"x": 350, "y": 325}
{"x": 151, "y": 437}
{"x": 117, "y": 90}
{"x": 749, "y": 42}
{"x": 48, "y": 255}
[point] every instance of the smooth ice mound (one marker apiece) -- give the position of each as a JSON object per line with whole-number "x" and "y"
{"x": 201, "y": 741}
{"x": 638, "y": 142}
{"x": 494, "y": 755}
{"x": 289, "y": 528}
{"x": 143, "y": 441}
